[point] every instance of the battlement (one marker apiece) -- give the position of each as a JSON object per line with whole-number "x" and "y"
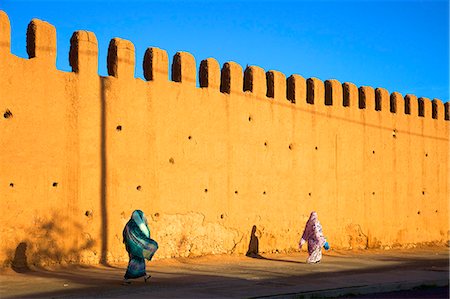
{"x": 231, "y": 78}
{"x": 208, "y": 154}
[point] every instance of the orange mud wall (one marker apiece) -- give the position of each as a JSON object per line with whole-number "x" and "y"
{"x": 206, "y": 162}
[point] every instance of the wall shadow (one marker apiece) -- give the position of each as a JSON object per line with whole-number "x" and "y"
{"x": 48, "y": 244}
{"x": 103, "y": 173}
{"x": 43, "y": 246}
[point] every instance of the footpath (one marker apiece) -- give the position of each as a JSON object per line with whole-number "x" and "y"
{"x": 340, "y": 273}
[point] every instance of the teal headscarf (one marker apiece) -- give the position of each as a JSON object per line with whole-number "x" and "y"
{"x": 136, "y": 236}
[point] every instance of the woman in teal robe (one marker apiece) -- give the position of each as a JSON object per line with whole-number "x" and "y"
{"x": 139, "y": 245}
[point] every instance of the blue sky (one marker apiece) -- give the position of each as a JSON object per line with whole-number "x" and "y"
{"x": 398, "y": 45}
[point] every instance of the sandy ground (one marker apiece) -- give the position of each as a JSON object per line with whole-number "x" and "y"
{"x": 271, "y": 275}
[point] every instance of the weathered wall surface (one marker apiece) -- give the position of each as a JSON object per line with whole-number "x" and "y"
{"x": 80, "y": 152}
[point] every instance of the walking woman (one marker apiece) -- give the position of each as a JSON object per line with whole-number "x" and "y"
{"x": 139, "y": 245}
{"x": 314, "y": 236}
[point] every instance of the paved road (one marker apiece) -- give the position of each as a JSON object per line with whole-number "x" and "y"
{"x": 271, "y": 276}
{"x": 418, "y": 292}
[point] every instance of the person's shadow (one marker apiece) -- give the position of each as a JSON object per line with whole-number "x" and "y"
{"x": 19, "y": 263}
{"x": 253, "y": 246}
{"x": 253, "y": 250}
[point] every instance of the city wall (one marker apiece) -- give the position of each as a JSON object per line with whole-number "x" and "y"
{"x": 208, "y": 155}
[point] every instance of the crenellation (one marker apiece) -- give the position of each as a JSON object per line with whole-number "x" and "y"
{"x": 420, "y": 107}
{"x": 407, "y": 106}
{"x": 366, "y": 96}
{"x": 5, "y": 33}
{"x": 276, "y": 85}
{"x": 41, "y": 41}
{"x": 156, "y": 65}
{"x": 423, "y": 104}
{"x": 427, "y": 107}
{"x": 396, "y": 99}
{"x": 83, "y": 55}
{"x": 255, "y": 81}
{"x": 296, "y": 89}
{"x": 183, "y": 68}
{"x": 437, "y": 109}
{"x": 382, "y": 99}
{"x": 350, "y": 94}
{"x": 411, "y": 105}
{"x": 333, "y": 93}
{"x": 315, "y": 91}
{"x": 231, "y": 78}
{"x": 121, "y": 58}
{"x": 209, "y": 73}
{"x": 446, "y": 111}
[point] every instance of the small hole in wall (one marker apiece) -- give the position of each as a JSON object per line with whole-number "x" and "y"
{"x": 373, "y": 193}
{"x": 423, "y": 192}
{"x": 222, "y": 216}
{"x": 418, "y": 212}
{"x": 139, "y": 188}
{"x": 156, "y": 214}
{"x": 265, "y": 143}
{"x": 11, "y": 185}
{"x": 236, "y": 192}
{"x": 436, "y": 211}
{"x": 394, "y": 133}
{"x": 7, "y": 114}
{"x": 171, "y": 161}
{"x": 119, "y": 128}
{"x": 250, "y": 118}
{"x": 291, "y": 146}
{"x": 373, "y": 152}
{"x": 426, "y": 154}
{"x": 55, "y": 184}
{"x": 309, "y": 194}
{"x": 264, "y": 192}
{"x": 206, "y": 190}
{"x": 189, "y": 137}
{"x": 316, "y": 148}
{"x": 88, "y": 213}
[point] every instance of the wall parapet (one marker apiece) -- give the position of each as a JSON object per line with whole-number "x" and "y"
{"x": 208, "y": 151}
{"x": 83, "y": 56}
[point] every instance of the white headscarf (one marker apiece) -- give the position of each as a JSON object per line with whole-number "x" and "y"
{"x": 139, "y": 217}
